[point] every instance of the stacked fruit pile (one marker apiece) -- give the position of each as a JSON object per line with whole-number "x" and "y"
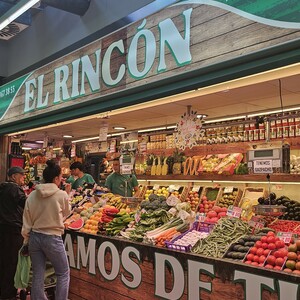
{"x": 292, "y": 264}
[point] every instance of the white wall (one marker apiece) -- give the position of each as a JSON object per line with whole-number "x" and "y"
{"x": 52, "y": 30}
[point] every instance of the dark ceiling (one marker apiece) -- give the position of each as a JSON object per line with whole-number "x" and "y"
{"x": 78, "y": 7}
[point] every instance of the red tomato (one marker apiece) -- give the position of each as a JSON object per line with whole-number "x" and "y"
{"x": 279, "y": 244}
{"x": 279, "y": 261}
{"x": 271, "y": 239}
{"x": 256, "y": 258}
{"x": 262, "y": 259}
{"x": 266, "y": 252}
{"x": 260, "y": 251}
{"x": 261, "y": 265}
{"x": 268, "y": 266}
{"x": 254, "y": 263}
{"x": 258, "y": 244}
{"x": 277, "y": 268}
{"x": 277, "y": 254}
{"x": 264, "y": 245}
{"x": 263, "y": 239}
{"x": 248, "y": 262}
{"x": 271, "y": 246}
{"x": 253, "y": 250}
{"x": 271, "y": 259}
{"x": 250, "y": 256}
{"x": 271, "y": 233}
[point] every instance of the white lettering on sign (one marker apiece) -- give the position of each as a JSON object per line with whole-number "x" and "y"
{"x": 253, "y": 284}
{"x": 71, "y": 81}
{"x": 263, "y": 166}
{"x": 161, "y": 260}
{"x": 129, "y": 258}
{"x": 194, "y": 284}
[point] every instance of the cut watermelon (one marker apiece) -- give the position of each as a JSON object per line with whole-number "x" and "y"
{"x": 76, "y": 225}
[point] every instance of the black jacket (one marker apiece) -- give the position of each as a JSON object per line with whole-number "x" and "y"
{"x": 12, "y": 202}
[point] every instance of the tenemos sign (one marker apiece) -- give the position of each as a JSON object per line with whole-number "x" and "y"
{"x": 187, "y": 36}
{"x": 125, "y": 268}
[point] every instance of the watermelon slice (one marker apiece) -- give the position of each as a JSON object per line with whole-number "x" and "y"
{"x": 76, "y": 225}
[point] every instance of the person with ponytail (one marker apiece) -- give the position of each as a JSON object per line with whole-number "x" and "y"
{"x": 43, "y": 226}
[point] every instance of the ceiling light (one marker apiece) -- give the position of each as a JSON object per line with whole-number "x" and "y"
{"x": 86, "y": 139}
{"x": 225, "y": 119}
{"x": 39, "y": 142}
{"x": 67, "y": 136}
{"x": 202, "y": 116}
{"x": 57, "y": 149}
{"x": 152, "y": 129}
{"x": 16, "y": 11}
{"x": 26, "y": 148}
{"x": 273, "y": 112}
{"x": 131, "y": 141}
{"x": 119, "y": 127}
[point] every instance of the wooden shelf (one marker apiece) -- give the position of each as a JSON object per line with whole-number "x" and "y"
{"x": 215, "y": 178}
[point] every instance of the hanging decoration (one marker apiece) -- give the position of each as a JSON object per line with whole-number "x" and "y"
{"x": 188, "y": 130}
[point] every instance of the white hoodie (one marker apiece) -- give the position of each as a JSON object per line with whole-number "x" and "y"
{"x": 44, "y": 211}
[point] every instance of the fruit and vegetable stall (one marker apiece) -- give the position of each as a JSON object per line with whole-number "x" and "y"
{"x": 163, "y": 246}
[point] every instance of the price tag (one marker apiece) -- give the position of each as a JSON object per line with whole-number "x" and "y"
{"x": 196, "y": 188}
{"x": 256, "y": 222}
{"x": 263, "y": 166}
{"x": 234, "y": 211}
{"x": 228, "y": 189}
{"x": 201, "y": 217}
{"x": 156, "y": 187}
{"x": 285, "y": 236}
{"x": 137, "y": 216}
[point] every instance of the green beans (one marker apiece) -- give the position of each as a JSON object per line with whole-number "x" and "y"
{"x": 226, "y": 232}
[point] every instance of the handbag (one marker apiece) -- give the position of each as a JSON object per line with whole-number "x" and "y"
{"x": 22, "y": 275}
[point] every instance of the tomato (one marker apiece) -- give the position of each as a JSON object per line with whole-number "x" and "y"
{"x": 248, "y": 262}
{"x": 258, "y": 244}
{"x": 264, "y": 239}
{"x": 261, "y": 265}
{"x": 262, "y": 259}
{"x": 253, "y": 250}
{"x": 271, "y": 239}
{"x": 256, "y": 258}
{"x": 260, "y": 251}
{"x": 279, "y": 261}
{"x": 254, "y": 263}
{"x": 279, "y": 244}
{"x": 271, "y": 259}
{"x": 277, "y": 268}
{"x": 264, "y": 245}
{"x": 268, "y": 266}
{"x": 271, "y": 246}
{"x": 250, "y": 256}
{"x": 266, "y": 252}
{"x": 270, "y": 233}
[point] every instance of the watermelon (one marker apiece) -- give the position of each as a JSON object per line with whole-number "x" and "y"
{"x": 76, "y": 225}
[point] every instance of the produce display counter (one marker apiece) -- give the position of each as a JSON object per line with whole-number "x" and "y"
{"x": 112, "y": 268}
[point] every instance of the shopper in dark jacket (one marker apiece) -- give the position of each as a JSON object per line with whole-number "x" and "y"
{"x": 12, "y": 202}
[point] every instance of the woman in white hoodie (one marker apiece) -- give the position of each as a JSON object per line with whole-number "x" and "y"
{"x": 43, "y": 227}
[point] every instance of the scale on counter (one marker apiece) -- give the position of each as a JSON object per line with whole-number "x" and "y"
{"x": 269, "y": 158}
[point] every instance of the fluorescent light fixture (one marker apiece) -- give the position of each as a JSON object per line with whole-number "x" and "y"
{"x": 171, "y": 127}
{"x": 67, "y": 136}
{"x": 57, "y": 149}
{"x": 39, "y": 142}
{"x": 131, "y": 141}
{"x": 86, "y": 139}
{"x": 225, "y": 119}
{"x": 26, "y": 148}
{"x": 119, "y": 127}
{"x": 152, "y": 129}
{"x": 16, "y": 11}
{"x": 273, "y": 112}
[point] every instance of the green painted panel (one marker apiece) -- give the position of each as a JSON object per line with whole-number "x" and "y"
{"x": 278, "y": 13}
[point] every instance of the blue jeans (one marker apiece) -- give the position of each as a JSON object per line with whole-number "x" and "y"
{"x": 51, "y": 247}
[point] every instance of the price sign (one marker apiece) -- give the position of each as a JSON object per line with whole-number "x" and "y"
{"x": 200, "y": 217}
{"x": 256, "y": 222}
{"x": 228, "y": 189}
{"x": 196, "y": 188}
{"x": 234, "y": 211}
{"x": 137, "y": 216}
{"x": 156, "y": 187}
{"x": 263, "y": 166}
{"x": 285, "y": 236}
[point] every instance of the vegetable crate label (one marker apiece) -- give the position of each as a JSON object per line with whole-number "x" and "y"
{"x": 234, "y": 211}
{"x": 285, "y": 236}
{"x": 255, "y": 222}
